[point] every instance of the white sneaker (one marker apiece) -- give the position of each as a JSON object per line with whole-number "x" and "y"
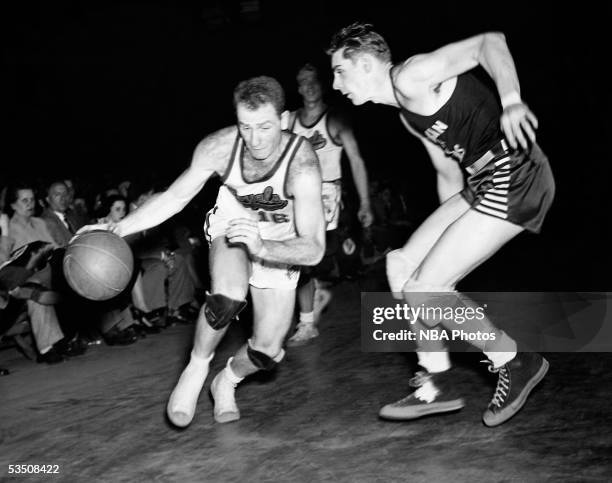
{"x": 304, "y": 333}
{"x": 184, "y": 398}
{"x": 222, "y": 390}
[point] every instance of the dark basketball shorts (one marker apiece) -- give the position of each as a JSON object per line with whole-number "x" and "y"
{"x": 516, "y": 186}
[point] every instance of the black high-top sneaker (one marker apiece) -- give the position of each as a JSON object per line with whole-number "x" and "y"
{"x": 515, "y": 380}
{"x": 434, "y": 393}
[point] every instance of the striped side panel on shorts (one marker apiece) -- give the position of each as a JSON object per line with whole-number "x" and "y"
{"x": 495, "y": 200}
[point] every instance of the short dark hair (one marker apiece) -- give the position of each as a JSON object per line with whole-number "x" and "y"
{"x": 55, "y": 183}
{"x": 107, "y": 202}
{"x": 360, "y": 38}
{"x": 308, "y": 67}
{"x": 13, "y": 190}
{"x": 260, "y": 90}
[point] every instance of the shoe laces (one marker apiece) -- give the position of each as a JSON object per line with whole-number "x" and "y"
{"x": 503, "y": 383}
{"x": 425, "y": 391}
{"x": 420, "y": 378}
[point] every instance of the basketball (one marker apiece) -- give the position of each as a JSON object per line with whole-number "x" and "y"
{"x": 98, "y": 265}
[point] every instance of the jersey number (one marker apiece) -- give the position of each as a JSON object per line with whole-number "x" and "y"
{"x": 273, "y": 217}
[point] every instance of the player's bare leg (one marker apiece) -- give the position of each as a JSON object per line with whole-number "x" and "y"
{"x": 306, "y": 329}
{"x": 403, "y": 263}
{"x": 448, "y": 262}
{"x": 229, "y": 278}
{"x": 272, "y": 311}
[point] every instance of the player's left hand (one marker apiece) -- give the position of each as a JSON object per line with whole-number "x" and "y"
{"x": 246, "y": 231}
{"x": 365, "y": 216}
{"x": 517, "y": 121}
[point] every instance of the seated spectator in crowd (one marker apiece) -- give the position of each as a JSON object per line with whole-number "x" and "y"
{"x": 61, "y": 222}
{"x": 4, "y": 255}
{"x": 77, "y": 206}
{"x": 23, "y": 229}
{"x": 115, "y": 318}
{"x": 163, "y": 265}
{"x": 113, "y": 209}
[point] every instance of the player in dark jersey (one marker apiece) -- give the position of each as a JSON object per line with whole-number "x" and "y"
{"x": 508, "y": 188}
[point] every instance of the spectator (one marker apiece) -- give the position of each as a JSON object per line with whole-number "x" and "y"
{"x": 163, "y": 264}
{"x": 61, "y": 222}
{"x": 113, "y": 209}
{"x": 23, "y": 229}
{"x": 77, "y": 207}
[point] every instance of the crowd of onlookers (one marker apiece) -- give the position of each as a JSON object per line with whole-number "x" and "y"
{"x": 49, "y": 322}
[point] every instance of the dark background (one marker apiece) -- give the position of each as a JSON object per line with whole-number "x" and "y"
{"x": 125, "y": 89}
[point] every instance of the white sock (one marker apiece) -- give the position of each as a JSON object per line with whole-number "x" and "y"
{"x": 427, "y": 392}
{"x": 184, "y": 398}
{"x": 434, "y": 361}
{"x": 230, "y": 374}
{"x": 500, "y": 358}
{"x": 508, "y": 352}
{"x": 306, "y": 317}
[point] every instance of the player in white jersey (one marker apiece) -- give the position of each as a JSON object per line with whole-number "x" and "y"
{"x": 329, "y": 134}
{"x": 267, "y": 220}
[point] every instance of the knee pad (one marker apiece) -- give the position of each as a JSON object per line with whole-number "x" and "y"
{"x": 220, "y": 310}
{"x": 264, "y": 361}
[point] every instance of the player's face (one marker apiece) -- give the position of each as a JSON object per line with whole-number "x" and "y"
{"x": 350, "y": 78}
{"x": 260, "y": 129}
{"x": 24, "y": 204}
{"x": 118, "y": 211}
{"x": 309, "y": 86}
{"x": 58, "y": 197}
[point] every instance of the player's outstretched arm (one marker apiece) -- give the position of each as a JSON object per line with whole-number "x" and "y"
{"x": 490, "y": 50}
{"x": 210, "y": 156}
{"x": 304, "y": 184}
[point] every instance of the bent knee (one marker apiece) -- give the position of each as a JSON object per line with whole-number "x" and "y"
{"x": 429, "y": 299}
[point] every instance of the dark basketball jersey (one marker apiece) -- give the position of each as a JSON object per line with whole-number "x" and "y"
{"x": 466, "y": 126}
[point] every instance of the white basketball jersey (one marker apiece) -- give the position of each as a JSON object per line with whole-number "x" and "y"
{"x": 328, "y": 151}
{"x": 265, "y": 199}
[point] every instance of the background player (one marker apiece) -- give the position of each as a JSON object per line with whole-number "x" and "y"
{"x": 329, "y": 134}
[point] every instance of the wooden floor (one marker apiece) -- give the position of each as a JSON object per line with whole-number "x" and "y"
{"x": 100, "y": 417}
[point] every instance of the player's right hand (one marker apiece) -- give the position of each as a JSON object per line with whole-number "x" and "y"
{"x": 517, "y": 121}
